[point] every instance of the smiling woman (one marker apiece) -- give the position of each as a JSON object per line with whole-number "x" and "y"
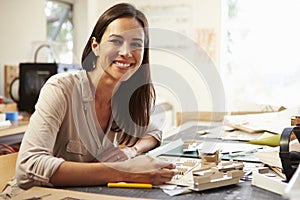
{"x": 121, "y": 48}
{"x": 89, "y": 126}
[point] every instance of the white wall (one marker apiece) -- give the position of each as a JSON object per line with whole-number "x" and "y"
{"x": 22, "y": 23}
{"x": 205, "y": 14}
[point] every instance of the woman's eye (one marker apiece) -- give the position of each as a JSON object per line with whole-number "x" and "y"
{"x": 117, "y": 42}
{"x": 136, "y": 45}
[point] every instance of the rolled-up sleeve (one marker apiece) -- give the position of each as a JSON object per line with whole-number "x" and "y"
{"x": 153, "y": 131}
{"x": 36, "y": 162}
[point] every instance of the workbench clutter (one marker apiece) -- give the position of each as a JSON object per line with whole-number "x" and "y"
{"x": 194, "y": 175}
{"x": 8, "y": 113}
{"x": 4, "y": 123}
{"x": 289, "y": 159}
{"x": 12, "y": 116}
{"x": 212, "y": 176}
{"x": 8, "y": 119}
{"x": 259, "y": 164}
{"x": 206, "y": 171}
{"x": 284, "y": 178}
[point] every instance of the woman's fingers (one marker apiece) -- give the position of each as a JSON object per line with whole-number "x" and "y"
{"x": 113, "y": 155}
{"x": 170, "y": 166}
{"x": 162, "y": 176}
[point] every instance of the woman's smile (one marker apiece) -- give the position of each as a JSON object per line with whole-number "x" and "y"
{"x": 122, "y": 65}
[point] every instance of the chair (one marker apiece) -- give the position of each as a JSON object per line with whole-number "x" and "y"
{"x": 7, "y": 168}
{"x": 182, "y": 117}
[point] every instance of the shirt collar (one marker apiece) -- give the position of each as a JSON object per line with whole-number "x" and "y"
{"x": 87, "y": 89}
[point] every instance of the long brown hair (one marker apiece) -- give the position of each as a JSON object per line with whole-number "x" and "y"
{"x": 138, "y": 90}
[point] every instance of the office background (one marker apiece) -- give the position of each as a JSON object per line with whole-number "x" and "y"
{"x": 24, "y": 27}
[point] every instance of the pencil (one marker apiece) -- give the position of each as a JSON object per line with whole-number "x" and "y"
{"x": 278, "y": 171}
{"x": 130, "y": 185}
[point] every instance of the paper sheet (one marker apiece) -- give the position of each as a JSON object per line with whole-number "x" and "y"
{"x": 273, "y": 122}
{"x": 178, "y": 190}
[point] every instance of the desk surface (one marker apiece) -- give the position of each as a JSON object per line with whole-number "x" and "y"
{"x": 240, "y": 191}
{"x": 20, "y": 127}
{"x": 14, "y": 133}
{"x": 243, "y": 190}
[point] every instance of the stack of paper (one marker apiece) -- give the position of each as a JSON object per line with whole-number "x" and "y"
{"x": 273, "y": 122}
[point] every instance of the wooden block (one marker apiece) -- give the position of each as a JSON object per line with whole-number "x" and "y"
{"x": 216, "y": 178}
{"x": 201, "y": 179}
{"x": 263, "y": 170}
{"x": 239, "y": 165}
{"x": 214, "y": 169}
{"x": 210, "y": 158}
{"x": 217, "y": 175}
{"x": 226, "y": 163}
{"x": 201, "y": 170}
{"x": 235, "y": 173}
{"x": 8, "y": 107}
{"x": 215, "y": 184}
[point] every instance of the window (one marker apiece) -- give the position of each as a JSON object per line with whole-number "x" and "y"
{"x": 262, "y": 55}
{"x": 60, "y": 29}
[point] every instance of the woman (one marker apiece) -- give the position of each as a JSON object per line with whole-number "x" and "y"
{"x": 86, "y": 122}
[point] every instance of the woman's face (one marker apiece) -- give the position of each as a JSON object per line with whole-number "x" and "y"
{"x": 120, "y": 52}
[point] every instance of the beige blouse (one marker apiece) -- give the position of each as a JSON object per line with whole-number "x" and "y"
{"x": 64, "y": 127}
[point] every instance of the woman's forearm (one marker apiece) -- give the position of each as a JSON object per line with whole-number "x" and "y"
{"x": 145, "y": 144}
{"x": 79, "y": 174}
{"x": 142, "y": 169}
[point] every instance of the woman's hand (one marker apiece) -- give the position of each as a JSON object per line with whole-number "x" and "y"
{"x": 145, "y": 163}
{"x": 151, "y": 170}
{"x": 113, "y": 154}
{"x": 145, "y": 169}
{"x": 117, "y": 154}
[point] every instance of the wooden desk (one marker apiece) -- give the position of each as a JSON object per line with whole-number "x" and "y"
{"x": 14, "y": 133}
{"x": 242, "y": 190}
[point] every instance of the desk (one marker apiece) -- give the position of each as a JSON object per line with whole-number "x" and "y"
{"x": 13, "y": 134}
{"x": 233, "y": 192}
{"x": 243, "y": 190}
